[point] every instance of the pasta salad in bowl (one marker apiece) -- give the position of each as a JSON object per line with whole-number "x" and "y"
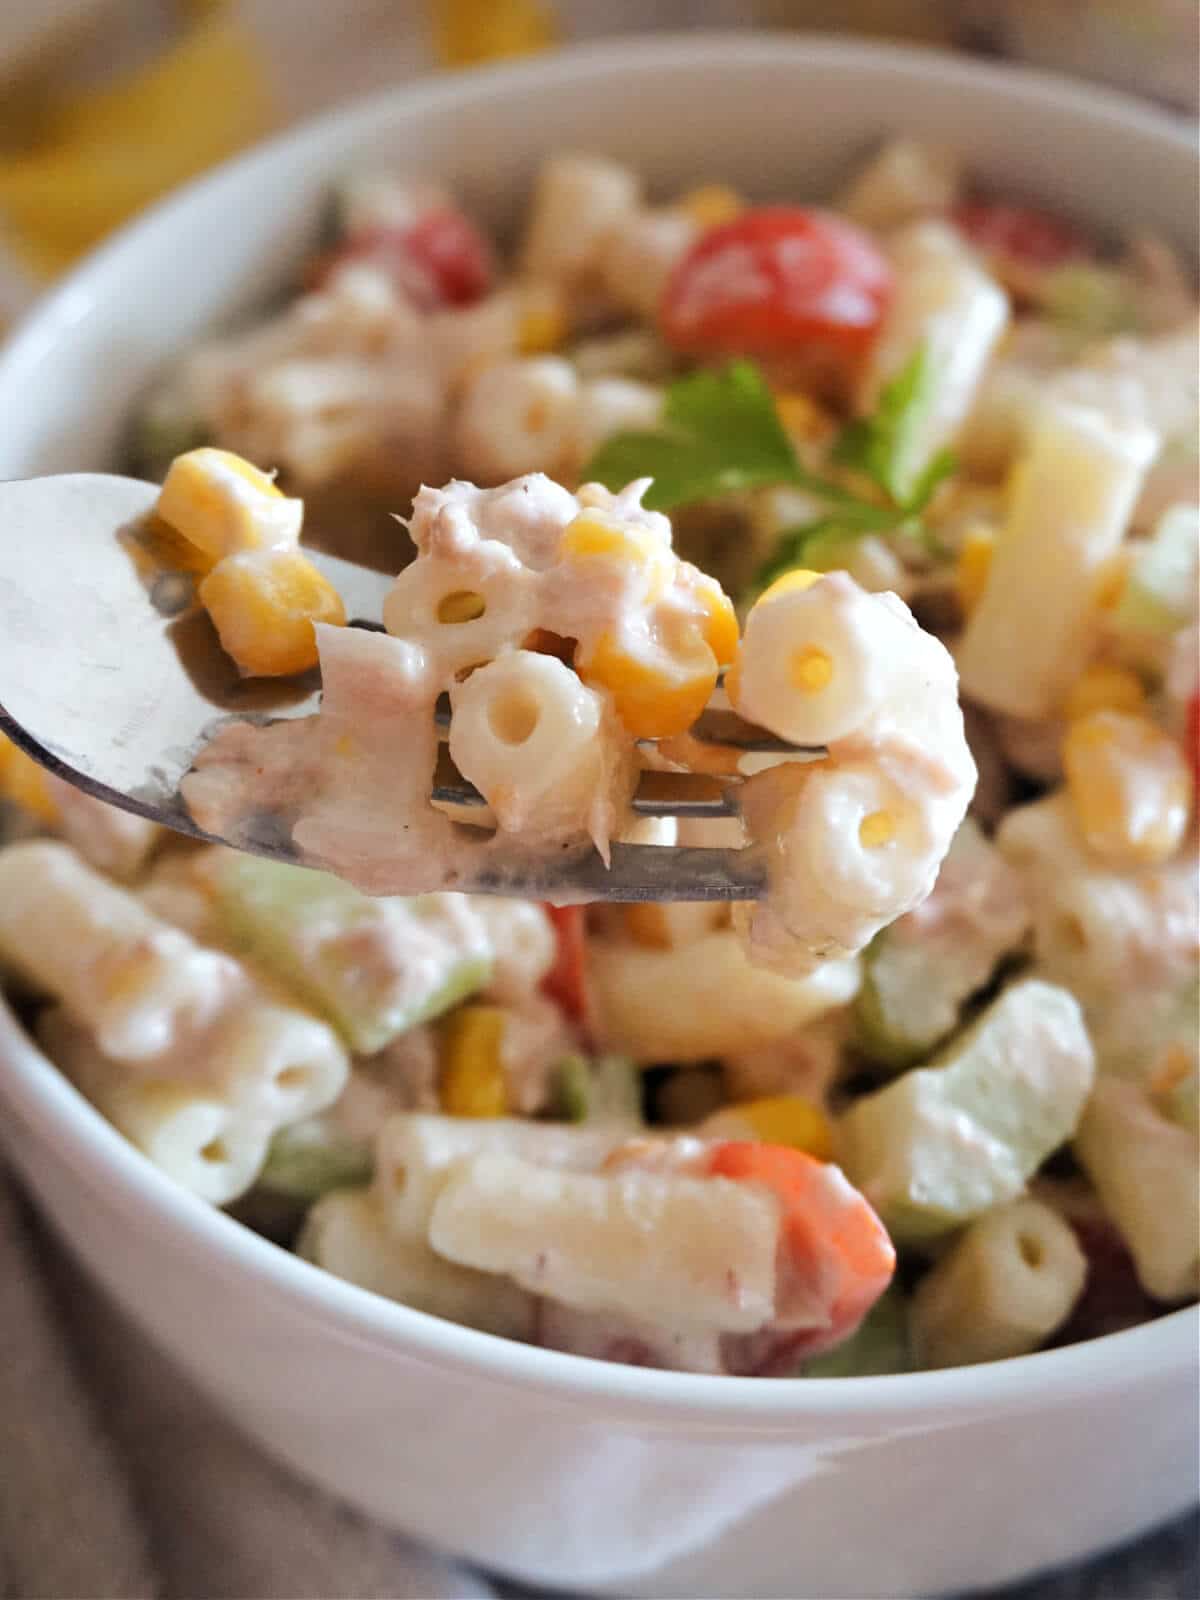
{"x": 900, "y": 473}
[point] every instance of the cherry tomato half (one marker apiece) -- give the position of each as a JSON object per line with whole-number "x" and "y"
{"x": 775, "y": 282}
{"x": 439, "y": 260}
{"x": 1022, "y": 235}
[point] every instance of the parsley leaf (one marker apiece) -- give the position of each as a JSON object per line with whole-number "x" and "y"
{"x": 721, "y": 433}
{"x": 883, "y": 446}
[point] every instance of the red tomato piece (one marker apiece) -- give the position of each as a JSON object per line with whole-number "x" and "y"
{"x": 440, "y": 260}
{"x": 566, "y": 982}
{"x": 836, "y": 1258}
{"x": 1020, "y": 234}
{"x": 777, "y": 281}
{"x": 455, "y": 254}
{"x": 1191, "y": 736}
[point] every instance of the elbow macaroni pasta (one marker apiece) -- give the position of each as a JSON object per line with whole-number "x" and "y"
{"x": 1002, "y": 1289}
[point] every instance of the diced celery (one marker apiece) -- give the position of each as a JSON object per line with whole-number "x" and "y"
{"x": 311, "y": 1157}
{"x": 606, "y": 1089}
{"x": 1093, "y": 302}
{"x": 373, "y": 967}
{"x": 918, "y": 973}
{"x": 1159, "y": 595}
{"x": 948, "y": 1141}
{"x": 878, "y": 1346}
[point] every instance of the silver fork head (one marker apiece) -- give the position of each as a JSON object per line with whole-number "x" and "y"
{"x": 112, "y": 677}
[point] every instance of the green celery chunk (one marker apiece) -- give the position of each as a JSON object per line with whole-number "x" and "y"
{"x": 1090, "y": 301}
{"x": 918, "y": 973}
{"x": 311, "y": 1157}
{"x": 373, "y": 967}
{"x": 879, "y": 1345}
{"x": 1159, "y": 595}
{"x": 604, "y": 1089}
{"x": 946, "y": 1142}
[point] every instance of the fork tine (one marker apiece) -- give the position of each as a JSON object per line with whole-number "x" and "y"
{"x": 715, "y": 726}
{"x": 638, "y": 872}
{"x": 659, "y": 794}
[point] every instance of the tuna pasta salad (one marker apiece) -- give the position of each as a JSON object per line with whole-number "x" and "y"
{"x": 905, "y": 484}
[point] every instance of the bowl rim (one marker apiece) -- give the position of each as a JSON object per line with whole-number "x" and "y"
{"x": 43, "y": 1097}
{"x": 67, "y": 301}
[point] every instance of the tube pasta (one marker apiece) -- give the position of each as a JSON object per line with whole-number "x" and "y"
{"x": 540, "y": 746}
{"x": 817, "y": 663}
{"x": 114, "y": 842}
{"x": 904, "y": 180}
{"x": 629, "y": 1242}
{"x": 133, "y": 979}
{"x": 346, "y": 1233}
{"x": 1075, "y": 489}
{"x": 276, "y": 1064}
{"x": 198, "y": 1139}
{"x": 702, "y": 999}
{"x": 577, "y": 203}
{"x": 416, "y": 1152}
{"x": 1003, "y": 1289}
{"x": 1143, "y": 1167}
{"x": 949, "y": 307}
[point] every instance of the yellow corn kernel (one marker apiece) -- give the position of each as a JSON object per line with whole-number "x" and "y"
{"x": 222, "y": 504}
{"x": 876, "y": 829}
{"x": 800, "y": 414}
{"x": 810, "y": 669}
{"x": 263, "y": 604}
{"x": 1104, "y": 687}
{"x": 656, "y": 694}
{"x": 593, "y": 536}
{"x": 718, "y": 620}
{"x": 461, "y": 605}
{"x": 799, "y": 578}
{"x": 1129, "y": 786}
{"x": 472, "y": 1082}
{"x": 974, "y": 565}
{"x": 711, "y": 204}
{"x": 25, "y": 784}
{"x": 787, "y": 1119}
{"x": 542, "y": 325}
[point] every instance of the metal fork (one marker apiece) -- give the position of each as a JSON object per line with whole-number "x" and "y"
{"x": 112, "y": 678}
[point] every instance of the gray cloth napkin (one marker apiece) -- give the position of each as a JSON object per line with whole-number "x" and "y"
{"x": 119, "y": 1482}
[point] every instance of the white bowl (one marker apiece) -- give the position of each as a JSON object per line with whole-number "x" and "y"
{"x": 551, "y": 1468}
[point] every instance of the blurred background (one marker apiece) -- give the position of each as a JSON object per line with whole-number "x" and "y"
{"x": 107, "y": 104}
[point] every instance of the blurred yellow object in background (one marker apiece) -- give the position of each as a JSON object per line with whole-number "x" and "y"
{"x": 108, "y": 152}
{"x": 466, "y": 32}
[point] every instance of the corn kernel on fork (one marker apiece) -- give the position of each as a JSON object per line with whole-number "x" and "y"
{"x": 112, "y": 678}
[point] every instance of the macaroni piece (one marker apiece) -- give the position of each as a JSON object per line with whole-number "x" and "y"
{"x": 577, "y": 204}
{"x": 1073, "y": 495}
{"x": 855, "y": 840}
{"x": 948, "y": 307}
{"x": 347, "y": 1234}
{"x": 1003, "y": 1289}
{"x": 904, "y": 181}
{"x": 632, "y": 1242}
{"x": 704, "y": 998}
{"x": 540, "y": 746}
{"x": 138, "y": 983}
{"x": 197, "y": 1138}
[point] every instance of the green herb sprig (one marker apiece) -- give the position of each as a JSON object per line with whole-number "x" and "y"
{"x": 721, "y": 434}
